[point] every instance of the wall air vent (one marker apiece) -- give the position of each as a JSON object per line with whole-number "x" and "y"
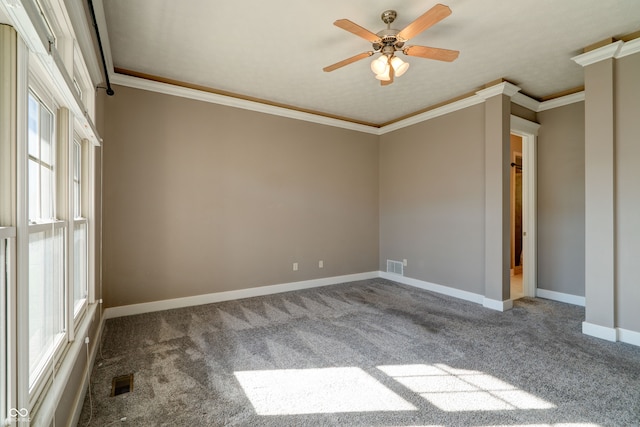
{"x": 395, "y": 267}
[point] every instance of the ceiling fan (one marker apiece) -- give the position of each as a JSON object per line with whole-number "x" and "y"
{"x": 389, "y": 41}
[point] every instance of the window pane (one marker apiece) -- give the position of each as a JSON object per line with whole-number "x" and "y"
{"x": 34, "y": 136}
{"x": 34, "y": 190}
{"x": 76, "y": 180}
{"x": 46, "y": 297}
{"x": 46, "y": 197}
{"x": 79, "y": 266}
{"x": 46, "y": 135}
{"x": 76, "y": 161}
{"x": 76, "y": 200}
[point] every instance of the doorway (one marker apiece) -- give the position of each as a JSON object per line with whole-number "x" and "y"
{"x": 524, "y": 284}
{"x": 516, "y": 226}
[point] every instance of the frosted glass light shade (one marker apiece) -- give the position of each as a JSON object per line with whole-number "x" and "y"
{"x": 379, "y": 64}
{"x": 399, "y": 66}
{"x": 384, "y": 76}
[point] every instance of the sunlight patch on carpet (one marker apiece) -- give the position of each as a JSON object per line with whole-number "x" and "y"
{"x": 318, "y": 391}
{"x": 455, "y": 390}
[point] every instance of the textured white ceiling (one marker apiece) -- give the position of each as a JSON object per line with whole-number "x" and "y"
{"x": 275, "y": 50}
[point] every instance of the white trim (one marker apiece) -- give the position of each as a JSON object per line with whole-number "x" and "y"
{"x": 562, "y": 101}
{"x": 629, "y": 48}
{"x": 7, "y": 232}
{"x": 148, "y": 307}
{"x": 535, "y": 106}
{"x": 427, "y": 286}
{"x": 519, "y": 124}
{"x": 431, "y": 114}
{"x": 600, "y": 54}
{"x": 504, "y": 88}
{"x": 229, "y": 101}
{"x": 47, "y": 226}
{"x": 528, "y": 131}
{"x": 524, "y": 101}
{"x": 629, "y": 337}
{"x": 83, "y": 33}
{"x": 602, "y": 332}
{"x": 497, "y": 305}
{"x": 22, "y": 223}
{"x": 560, "y": 297}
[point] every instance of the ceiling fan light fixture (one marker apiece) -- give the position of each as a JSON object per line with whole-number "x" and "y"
{"x": 384, "y": 76}
{"x": 399, "y": 66}
{"x": 379, "y": 65}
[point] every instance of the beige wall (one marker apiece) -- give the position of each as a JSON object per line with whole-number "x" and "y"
{"x": 432, "y": 199}
{"x": 560, "y": 207}
{"x": 627, "y": 178}
{"x": 202, "y": 198}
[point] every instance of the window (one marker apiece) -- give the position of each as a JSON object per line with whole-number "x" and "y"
{"x": 46, "y": 244}
{"x": 80, "y": 231}
{"x": 47, "y": 264}
{"x": 41, "y": 155}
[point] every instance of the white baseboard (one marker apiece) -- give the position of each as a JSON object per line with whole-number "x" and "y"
{"x": 629, "y": 337}
{"x": 148, "y": 307}
{"x": 497, "y": 305}
{"x": 445, "y": 290}
{"x": 602, "y": 332}
{"x": 560, "y": 297}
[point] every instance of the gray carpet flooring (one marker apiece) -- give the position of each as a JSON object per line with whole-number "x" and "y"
{"x": 368, "y": 353}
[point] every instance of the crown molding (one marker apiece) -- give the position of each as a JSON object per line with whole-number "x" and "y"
{"x": 524, "y": 101}
{"x": 229, "y": 101}
{"x": 597, "y": 55}
{"x": 436, "y": 112}
{"x": 504, "y": 88}
{"x": 629, "y": 48}
{"x": 562, "y": 101}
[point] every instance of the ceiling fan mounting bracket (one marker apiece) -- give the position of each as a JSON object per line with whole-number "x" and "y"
{"x": 388, "y": 16}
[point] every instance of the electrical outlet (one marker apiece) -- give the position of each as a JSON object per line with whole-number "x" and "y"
{"x": 321, "y": 264}
{"x": 295, "y": 266}
{"x": 404, "y": 262}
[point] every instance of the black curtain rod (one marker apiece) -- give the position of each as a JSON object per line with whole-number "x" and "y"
{"x": 110, "y": 91}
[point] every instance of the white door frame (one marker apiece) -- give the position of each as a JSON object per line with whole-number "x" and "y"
{"x": 528, "y": 131}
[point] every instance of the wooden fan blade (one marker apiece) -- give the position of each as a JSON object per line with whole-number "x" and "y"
{"x": 434, "y": 15}
{"x": 432, "y": 53}
{"x": 347, "y": 61}
{"x": 356, "y": 29}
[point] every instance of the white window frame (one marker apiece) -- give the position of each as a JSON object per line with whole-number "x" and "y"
{"x": 41, "y": 375}
{"x": 41, "y": 163}
{"x": 78, "y": 310}
{"x": 7, "y": 338}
